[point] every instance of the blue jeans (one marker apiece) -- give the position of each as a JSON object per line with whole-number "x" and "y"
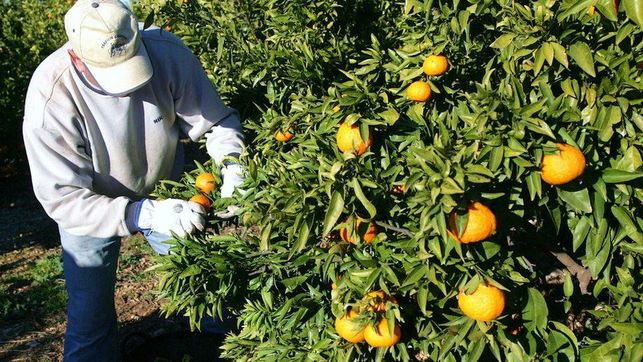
{"x": 90, "y": 276}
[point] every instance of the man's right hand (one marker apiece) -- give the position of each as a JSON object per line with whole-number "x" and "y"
{"x": 171, "y": 216}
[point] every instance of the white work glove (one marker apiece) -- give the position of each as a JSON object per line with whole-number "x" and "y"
{"x": 229, "y": 212}
{"x": 171, "y": 216}
{"x": 232, "y": 177}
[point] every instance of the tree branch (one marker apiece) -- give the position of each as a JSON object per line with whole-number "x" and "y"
{"x": 582, "y": 274}
{"x": 394, "y": 228}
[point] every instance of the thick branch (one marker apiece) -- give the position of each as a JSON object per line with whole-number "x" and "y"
{"x": 582, "y": 274}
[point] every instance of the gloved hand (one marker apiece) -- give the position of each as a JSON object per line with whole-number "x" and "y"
{"x": 229, "y": 212}
{"x": 171, "y": 216}
{"x": 232, "y": 177}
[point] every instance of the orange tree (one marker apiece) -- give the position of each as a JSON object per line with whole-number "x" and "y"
{"x": 29, "y": 31}
{"x": 474, "y": 256}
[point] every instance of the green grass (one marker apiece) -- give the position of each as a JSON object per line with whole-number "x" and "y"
{"x": 38, "y": 290}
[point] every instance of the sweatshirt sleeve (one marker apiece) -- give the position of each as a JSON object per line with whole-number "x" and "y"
{"x": 62, "y": 176}
{"x": 198, "y": 104}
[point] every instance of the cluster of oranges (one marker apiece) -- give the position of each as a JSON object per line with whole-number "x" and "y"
{"x": 487, "y": 302}
{"x": 205, "y": 183}
{"x": 349, "y": 138}
{"x": 434, "y": 65}
{"x": 353, "y": 326}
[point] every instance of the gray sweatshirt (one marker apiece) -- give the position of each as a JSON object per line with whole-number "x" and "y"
{"x": 92, "y": 154}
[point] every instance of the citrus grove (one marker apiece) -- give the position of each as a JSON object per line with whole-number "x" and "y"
{"x": 425, "y": 180}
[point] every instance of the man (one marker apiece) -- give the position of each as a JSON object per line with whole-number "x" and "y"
{"x": 103, "y": 116}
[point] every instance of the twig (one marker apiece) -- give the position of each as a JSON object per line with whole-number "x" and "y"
{"x": 258, "y": 271}
{"x": 394, "y": 228}
{"x": 582, "y": 274}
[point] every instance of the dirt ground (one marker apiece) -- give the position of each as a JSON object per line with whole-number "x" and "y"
{"x": 34, "y": 322}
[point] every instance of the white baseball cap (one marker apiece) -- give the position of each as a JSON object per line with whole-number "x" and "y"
{"x": 104, "y": 35}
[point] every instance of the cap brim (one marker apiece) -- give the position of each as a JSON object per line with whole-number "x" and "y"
{"x": 124, "y": 77}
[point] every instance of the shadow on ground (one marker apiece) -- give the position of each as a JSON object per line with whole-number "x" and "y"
{"x": 155, "y": 338}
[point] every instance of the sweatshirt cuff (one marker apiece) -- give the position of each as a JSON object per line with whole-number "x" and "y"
{"x": 132, "y": 211}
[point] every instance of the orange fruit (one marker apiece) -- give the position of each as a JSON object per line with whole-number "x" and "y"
{"x": 565, "y": 166}
{"x": 378, "y": 300}
{"x": 435, "y": 65}
{"x": 201, "y": 200}
{"x": 481, "y": 223}
{"x": 419, "y": 91}
{"x": 205, "y": 182}
{"x": 283, "y": 136}
{"x": 348, "y": 328}
{"x": 591, "y": 10}
{"x": 380, "y": 336}
{"x": 350, "y": 140}
{"x": 485, "y": 304}
{"x": 367, "y": 233}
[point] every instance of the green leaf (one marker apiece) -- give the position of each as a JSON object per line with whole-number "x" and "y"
{"x": 578, "y": 200}
{"x": 304, "y": 233}
{"x": 535, "y": 312}
{"x": 503, "y": 41}
{"x": 539, "y": 60}
{"x": 362, "y": 198}
{"x": 634, "y": 11}
{"x": 390, "y": 116}
{"x": 582, "y": 55}
{"x": 548, "y": 52}
{"x": 335, "y": 209}
{"x": 560, "y": 54}
{"x": 580, "y": 232}
{"x": 191, "y": 270}
{"x": 149, "y": 20}
{"x": 568, "y": 285}
{"x": 614, "y": 176}
{"x": 418, "y": 273}
{"x": 624, "y": 218}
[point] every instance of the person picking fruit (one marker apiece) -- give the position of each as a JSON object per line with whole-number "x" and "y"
{"x": 103, "y": 117}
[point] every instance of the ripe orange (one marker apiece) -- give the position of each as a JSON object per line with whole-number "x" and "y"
{"x": 380, "y": 336}
{"x": 419, "y": 91}
{"x": 201, "y": 200}
{"x": 481, "y": 223}
{"x": 566, "y": 165}
{"x": 435, "y": 65}
{"x": 486, "y": 303}
{"x": 377, "y": 300}
{"x": 205, "y": 182}
{"x": 349, "y": 139}
{"x": 367, "y": 233}
{"x": 348, "y": 328}
{"x": 283, "y": 136}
